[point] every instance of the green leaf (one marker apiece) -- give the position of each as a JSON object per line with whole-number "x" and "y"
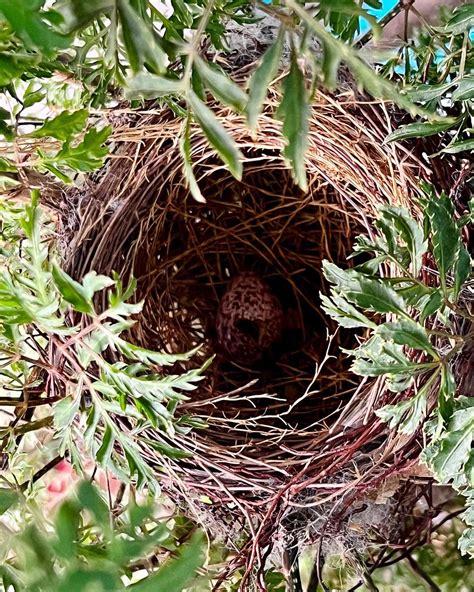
{"x": 221, "y": 86}
{"x": 8, "y": 497}
{"x": 466, "y": 542}
{"x": 407, "y": 415}
{"x": 92, "y": 283}
{"x": 464, "y": 90}
{"x": 432, "y": 305}
{"x": 27, "y": 21}
{"x": 459, "y": 146}
{"x": 174, "y": 575}
{"x": 185, "y": 147}
{"x": 421, "y": 129}
{"x": 372, "y": 294}
{"x": 86, "y": 156}
{"x": 294, "y": 112}
{"x": 143, "y": 46}
{"x": 67, "y": 523}
{"x": 444, "y": 235}
{"x": 63, "y": 127}
{"x": 461, "y": 21}
{"x": 453, "y": 451}
{"x": 151, "y": 86}
{"x": 88, "y": 580}
{"x": 72, "y": 291}
{"x": 407, "y": 333}
{"x": 217, "y": 135}
{"x": 261, "y": 79}
{"x": 463, "y": 270}
{"x": 410, "y": 232}
{"x": 428, "y": 92}
{"x": 7, "y": 166}
{"x": 90, "y": 500}
{"x": 105, "y": 451}
{"x": 330, "y": 64}
{"x": 447, "y": 391}
{"x": 344, "y": 313}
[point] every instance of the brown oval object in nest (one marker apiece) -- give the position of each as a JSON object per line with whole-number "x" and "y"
{"x": 249, "y": 319}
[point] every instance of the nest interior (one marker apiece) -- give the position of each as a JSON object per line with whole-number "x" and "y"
{"x": 297, "y": 426}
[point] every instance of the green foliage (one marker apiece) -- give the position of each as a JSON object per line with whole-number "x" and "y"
{"x": 87, "y": 548}
{"x": 410, "y": 339}
{"x": 113, "y": 45}
{"x": 437, "y": 73}
{"x": 89, "y": 367}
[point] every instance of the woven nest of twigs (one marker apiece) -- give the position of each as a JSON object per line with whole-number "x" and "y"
{"x": 293, "y": 451}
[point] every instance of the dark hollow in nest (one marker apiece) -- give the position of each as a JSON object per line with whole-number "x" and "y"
{"x": 280, "y": 440}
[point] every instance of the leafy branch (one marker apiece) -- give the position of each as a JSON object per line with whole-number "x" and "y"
{"x": 87, "y": 369}
{"x": 409, "y": 310}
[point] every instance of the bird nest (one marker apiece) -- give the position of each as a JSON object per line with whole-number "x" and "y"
{"x": 293, "y": 448}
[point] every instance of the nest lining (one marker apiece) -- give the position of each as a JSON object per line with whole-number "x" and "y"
{"x": 278, "y": 436}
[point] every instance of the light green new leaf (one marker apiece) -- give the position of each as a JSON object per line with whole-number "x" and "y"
{"x": 466, "y": 542}
{"x": 407, "y": 333}
{"x": 93, "y": 282}
{"x": 294, "y": 112}
{"x": 421, "y": 129}
{"x": 72, "y": 291}
{"x": 261, "y": 79}
{"x": 221, "y": 86}
{"x": 217, "y": 135}
{"x": 63, "y": 127}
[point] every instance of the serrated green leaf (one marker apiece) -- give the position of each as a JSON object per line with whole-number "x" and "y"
{"x": 72, "y": 291}
{"x": 420, "y": 129}
{"x": 407, "y": 333}
{"x": 344, "y": 313}
{"x": 331, "y": 61}
{"x": 410, "y": 232}
{"x": 369, "y": 368}
{"x": 407, "y": 415}
{"x": 372, "y": 294}
{"x": 217, "y": 136}
{"x": 93, "y": 282}
{"x": 86, "y": 156}
{"x": 221, "y": 86}
{"x": 466, "y": 542}
{"x": 261, "y": 79}
{"x": 445, "y": 235}
{"x": 447, "y": 391}
{"x": 64, "y": 126}
{"x": 294, "y": 112}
